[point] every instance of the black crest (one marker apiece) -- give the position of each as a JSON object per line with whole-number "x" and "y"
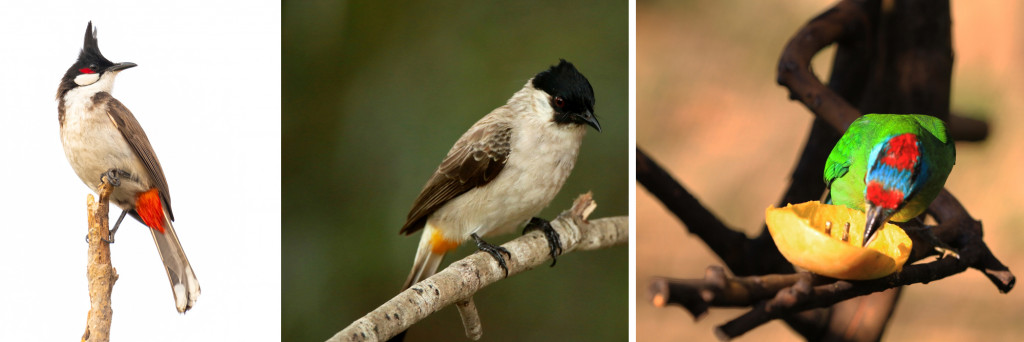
{"x": 572, "y": 96}
{"x": 91, "y": 48}
{"x": 88, "y": 57}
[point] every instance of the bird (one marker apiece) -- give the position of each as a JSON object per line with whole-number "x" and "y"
{"x": 890, "y": 166}
{"x": 102, "y": 139}
{"x": 504, "y": 170}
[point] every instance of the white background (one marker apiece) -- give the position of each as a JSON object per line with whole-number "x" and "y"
{"x": 207, "y": 92}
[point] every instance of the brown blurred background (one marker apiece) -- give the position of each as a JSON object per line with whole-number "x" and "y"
{"x": 709, "y": 110}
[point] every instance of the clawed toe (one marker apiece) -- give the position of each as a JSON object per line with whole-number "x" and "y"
{"x": 113, "y": 176}
{"x": 494, "y": 251}
{"x": 554, "y": 240}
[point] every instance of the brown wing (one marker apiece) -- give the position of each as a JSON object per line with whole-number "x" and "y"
{"x": 475, "y": 160}
{"x": 136, "y": 137}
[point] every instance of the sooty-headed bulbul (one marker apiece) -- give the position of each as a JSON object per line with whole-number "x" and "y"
{"x": 504, "y": 170}
{"x": 101, "y": 138}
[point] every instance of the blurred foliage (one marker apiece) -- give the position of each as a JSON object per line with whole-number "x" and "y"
{"x": 374, "y": 95}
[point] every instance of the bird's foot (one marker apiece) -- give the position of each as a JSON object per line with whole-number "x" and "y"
{"x": 494, "y": 251}
{"x": 113, "y": 176}
{"x": 947, "y": 251}
{"x": 939, "y": 246}
{"x": 926, "y": 233}
{"x": 554, "y": 240}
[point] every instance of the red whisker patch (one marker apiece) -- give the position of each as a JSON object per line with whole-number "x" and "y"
{"x": 901, "y": 152}
{"x": 86, "y": 71}
{"x": 150, "y": 209}
{"x": 879, "y": 196}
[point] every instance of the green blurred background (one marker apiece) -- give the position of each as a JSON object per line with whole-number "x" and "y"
{"x": 375, "y": 93}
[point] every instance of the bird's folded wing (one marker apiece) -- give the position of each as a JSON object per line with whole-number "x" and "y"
{"x": 475, "y": 160}
{"x": 136, "y": 137}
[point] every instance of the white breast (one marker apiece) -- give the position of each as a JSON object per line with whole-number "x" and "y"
{"x": 93, "y": 145}
{"x": 543, "y": 155}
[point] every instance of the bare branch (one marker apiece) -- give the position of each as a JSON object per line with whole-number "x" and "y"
{"x": 963, "y": 128}
{"x": 804, "y": 295}
{"x": 742, "y": 255}
{"x": 101, "y": 272}
{"x": 470, "y": 318}
{"x": 719, "y": 290}
{"x": 465, "y": 277}
{"x": 958, "y": 228}
{"x": 843, "y": 21}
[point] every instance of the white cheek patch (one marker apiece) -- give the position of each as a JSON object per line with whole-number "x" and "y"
{"x": 86, "y": 79}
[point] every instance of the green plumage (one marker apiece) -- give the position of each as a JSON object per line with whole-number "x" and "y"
{"x": 847, "y": 165}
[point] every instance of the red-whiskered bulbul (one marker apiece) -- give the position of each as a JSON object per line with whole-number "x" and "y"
{"x": 504, "y": 170}
{"x": 102, "y": 138}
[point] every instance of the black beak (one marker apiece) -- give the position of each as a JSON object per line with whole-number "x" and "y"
{"x": 875, "y": 219}
{"x": 121, "y": 66}
{"x": 591, "y": 120}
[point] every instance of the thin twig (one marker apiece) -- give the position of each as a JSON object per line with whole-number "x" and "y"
{"x": 101, "y": 272}
{"x": 465, "y": 277}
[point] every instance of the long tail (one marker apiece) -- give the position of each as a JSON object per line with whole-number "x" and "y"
{"x": 184, "y": 285}
{"x": 428, "y": 255}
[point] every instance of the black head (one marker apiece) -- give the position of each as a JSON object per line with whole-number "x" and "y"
{"x": 90, "y": 62}
{"x": 572, "y": 98}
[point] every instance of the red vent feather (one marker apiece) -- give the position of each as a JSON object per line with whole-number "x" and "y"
{"x": 150, "y": 209}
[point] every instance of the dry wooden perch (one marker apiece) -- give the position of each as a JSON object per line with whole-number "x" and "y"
{"x": 465, "y": 277}
{"x": 101, "y": 272}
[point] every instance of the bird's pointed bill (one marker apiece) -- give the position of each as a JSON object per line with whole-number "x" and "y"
{"x": 876, "y": 217}
{"x": 591, "y": 120}
{"x": 122, "y": 66}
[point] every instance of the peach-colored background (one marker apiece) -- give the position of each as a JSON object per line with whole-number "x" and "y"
{"x": 710, "y": 112}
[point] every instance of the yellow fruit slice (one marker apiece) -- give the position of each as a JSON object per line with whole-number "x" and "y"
{"x": 800, "y": 233}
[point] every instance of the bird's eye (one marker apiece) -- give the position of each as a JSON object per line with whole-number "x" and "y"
{"x": 559, "y": 102}
{"x": 87, "y": 71}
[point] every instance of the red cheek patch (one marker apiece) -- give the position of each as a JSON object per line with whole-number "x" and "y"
{"x": 878, "y": 196}
{"x": 86, "y": 71}
{"x": 148, "y": 205}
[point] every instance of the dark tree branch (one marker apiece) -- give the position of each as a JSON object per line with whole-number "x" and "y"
{"x": 962, "y": 128}
{"x": 957, "y": 228}
{"x": 717, "y": 289}
{"x": 842, "y": 22}
{"x": 742, "y": 255}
